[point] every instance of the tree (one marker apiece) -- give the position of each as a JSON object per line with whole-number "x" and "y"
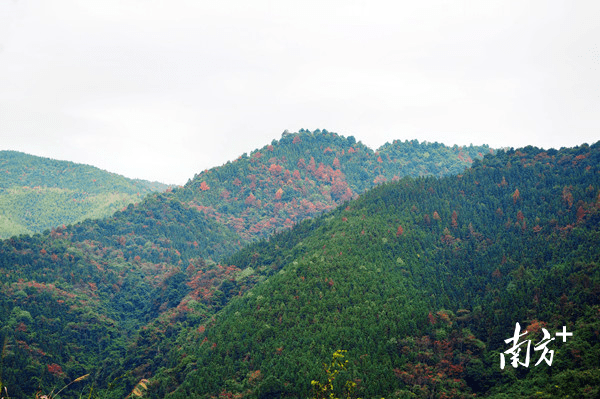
{"x": 278, "y": 194}
{"x": 336, "y": 163}
{"x": 328, "y": 388}
{"x": 400, "y": 231}
{"x": 516, "y": 196}
{"x": 275, "y": 169}
{"x": 250, "y": 199}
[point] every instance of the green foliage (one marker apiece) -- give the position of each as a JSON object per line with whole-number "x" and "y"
{"x": 158, "y": 292}
{"x": 37, "y": 193}
{"x": 425, "y": 313}
{"x": 306, "y": 173}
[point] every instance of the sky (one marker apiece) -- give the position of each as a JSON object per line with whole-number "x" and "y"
{"x": 162, "y": 90}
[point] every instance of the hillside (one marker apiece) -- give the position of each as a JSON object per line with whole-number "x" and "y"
{"x": 38, "y": 193}
{"x": 421, "y": 281}
{"x": 306, "y": 173}
{"x": 104, "y": 297}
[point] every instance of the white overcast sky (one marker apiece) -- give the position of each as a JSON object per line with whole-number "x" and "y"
{"x": 161, "y": 90}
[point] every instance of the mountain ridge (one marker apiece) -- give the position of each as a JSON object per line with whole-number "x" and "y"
{"x": 432, "y": 276}
{"x": 139, "y": 291}
{"x": 122, "y": 275}
{"x": 39, "y": 193}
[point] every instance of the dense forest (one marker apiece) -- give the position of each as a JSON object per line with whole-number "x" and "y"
{"x": 420, "y": 279}
{"x": 306, "y": 173}
{"x": 38, "y": 193}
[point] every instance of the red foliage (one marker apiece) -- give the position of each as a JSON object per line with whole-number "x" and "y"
{"x": 255, "y": 375}
{"x": 580, "y": 213}
{"x": 444, "y": 317}
{"x": 250, "y": 199}
{"x": 56, "y": 370}
{"x": 516, "y": 196}
{"x": 400, "y": 231}
{"x": 275, "y": 169}
{"x": 379, "y": 179}
{"x": 536, "y": 326}
{"x": 321, "y": 173}
{"x": 431, "y": 318}
{"x": 454, "y": 217}
{"x": 336, "y": 163}
{"x": 204, "y": 186}
{"x": 278, "y": 194}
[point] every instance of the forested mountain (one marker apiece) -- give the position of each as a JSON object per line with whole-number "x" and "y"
{"x": 110, "y": 297}
{"x": 40, "y": 193}
{"x": 306, "y": 173}
{"x": 421, "y": 281}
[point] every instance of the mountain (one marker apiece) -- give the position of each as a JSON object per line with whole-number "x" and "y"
{"x": 422, "y": 281}
{"x": 306, "y": 173}
{"x": 38, "y": 193}
{"x": 111, "y": 297}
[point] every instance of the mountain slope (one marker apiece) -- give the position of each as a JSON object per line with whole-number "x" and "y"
{"x": 421, "y": 281}
{"x": 304, "y": 174}
{"x": 40, "y": 193}
{"x": 109, "y": 296}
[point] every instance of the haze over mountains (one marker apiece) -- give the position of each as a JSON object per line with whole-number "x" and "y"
{"x": 192, "y": 293}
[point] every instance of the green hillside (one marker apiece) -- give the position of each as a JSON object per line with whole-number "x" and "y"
{"x": 421, "y": 281}
{"x": 112, "y": 297}
{"x": 306, "y": 173}
{"x": 38, "y": 193}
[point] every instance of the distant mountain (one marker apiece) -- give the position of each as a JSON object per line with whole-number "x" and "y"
{"x": 111, "y": 297}
{"x": 306, "y": 173}
{"x": 420, "y": 280}
{"x": 40, "y": 193}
